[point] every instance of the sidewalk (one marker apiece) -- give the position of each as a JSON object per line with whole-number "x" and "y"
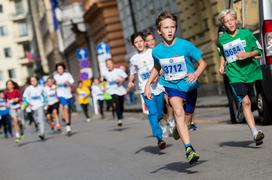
{"x": 202, "y": 102}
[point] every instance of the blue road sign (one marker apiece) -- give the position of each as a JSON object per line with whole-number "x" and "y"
{"x": 103, "y": 48}
{"x": 84, "y": 76}
{"x": 82, "y": 54}
{"x": 84, "y": 63}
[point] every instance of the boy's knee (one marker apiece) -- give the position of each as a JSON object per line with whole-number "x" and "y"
{"x": 179, "y": 112}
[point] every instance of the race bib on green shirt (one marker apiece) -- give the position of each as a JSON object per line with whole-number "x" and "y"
{"x": 174, "y": 68}
{"x": 232, "y": 48}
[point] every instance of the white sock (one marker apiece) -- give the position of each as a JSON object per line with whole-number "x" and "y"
{"x": 254, "y": 131}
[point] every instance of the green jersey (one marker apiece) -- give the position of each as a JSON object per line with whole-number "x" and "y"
{"x": 247, "y": 70}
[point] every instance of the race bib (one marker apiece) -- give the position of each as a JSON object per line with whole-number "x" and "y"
{"x": 232, "y": 48}
{"x": 35, "y": 97}
{"x": 174, "y": 68}
{"x": 112, "y": 83}
{"x": 82, "y": 95}
{"x": 145, "y": 75}
{"x": 62, "y": 85}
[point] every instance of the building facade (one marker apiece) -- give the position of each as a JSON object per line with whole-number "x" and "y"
{"x": 18, "y": 49}
{"x": 141, "y": 15}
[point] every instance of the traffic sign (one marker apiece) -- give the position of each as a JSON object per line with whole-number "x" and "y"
{"x": 84, "y": 76}
{"x": 84, "y": 63}
{"x": 103, "y": 48}
{"x": 82, "y": 54}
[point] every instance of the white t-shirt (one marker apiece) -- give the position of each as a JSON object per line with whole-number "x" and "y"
{"x": 64, "y": 90}
{"x": 142, "y": 64}
{"x": 34, "y": 96}
{"x": 112, "y": 86}
{"x": 97, "y": 92}
{"x": 51, "y": 94}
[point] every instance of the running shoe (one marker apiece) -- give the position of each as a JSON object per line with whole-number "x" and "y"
{"x": 42, "y": 137}
{"x": 119, "y": 123}
{"x": 191, "y": 155}
{"x": 68, "y": 130}
{"x": 192, "y": 127}
{"x": 161, "y": 144}
{"x": 88, "y": 120}
{"x": 17, "y": 139}
{"x": 176, "y": 134}
{"x": 259, "y": 138}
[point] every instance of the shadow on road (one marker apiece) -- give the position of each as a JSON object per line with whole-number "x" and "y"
{"x": 24, "y": 143}
{"x": 244, "y": 144}
{"x": 152, "y": 149}
{"x": 181, "y": 167}
{"x": 120, "y": 129}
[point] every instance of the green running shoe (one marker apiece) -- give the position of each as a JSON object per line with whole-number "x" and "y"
{"x": 191, "y": 155}
{"x": 259, "y": 138}
{"x": 176, "y": 134}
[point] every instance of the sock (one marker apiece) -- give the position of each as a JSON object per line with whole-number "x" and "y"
{"x": 187, "y": 145}
{"x": 254, "y": 131}
{"x": 17, "y": 134}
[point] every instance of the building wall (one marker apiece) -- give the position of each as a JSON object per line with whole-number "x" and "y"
{"x": 104, "y": 22}
{"x": 145, "y": 14}
{"x": 14, "y": 41}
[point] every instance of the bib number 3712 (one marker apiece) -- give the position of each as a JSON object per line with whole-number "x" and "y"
{"x": 174, "y": 68}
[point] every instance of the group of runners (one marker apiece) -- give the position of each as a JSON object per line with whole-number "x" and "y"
{"x": 167, "y": 76}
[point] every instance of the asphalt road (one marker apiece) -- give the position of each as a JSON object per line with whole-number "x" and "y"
{"x": 99, "y": 150}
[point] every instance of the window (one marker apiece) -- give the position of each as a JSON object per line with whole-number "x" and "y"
{"x": 1, "y": 8}
{"x": 3, "y": 31}
{"x": 1, "y": 76}
{"x": 11, "y": 73}
{"x": 19, "y": 7}
{"x": 26, "y": 47}
{"x": 22, "y": 29}
{"x": 7, "y": 52}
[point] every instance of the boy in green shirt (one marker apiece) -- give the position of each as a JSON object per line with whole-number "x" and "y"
{"x": 239, "y": 47}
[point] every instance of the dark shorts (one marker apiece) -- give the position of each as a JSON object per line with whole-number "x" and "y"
{"x": 189, "y": 98}
{"x": 240, "y": 90}
{"x": 53, "y": 107}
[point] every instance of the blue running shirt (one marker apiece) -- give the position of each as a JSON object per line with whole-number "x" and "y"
{"x": 176, "y": 62}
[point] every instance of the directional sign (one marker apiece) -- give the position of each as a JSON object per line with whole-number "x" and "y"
{"x": 103, "y": 48}
{"x": 84, "y": 76}
{"x": 82, "y": 54}
{"x": 84, "y": 63}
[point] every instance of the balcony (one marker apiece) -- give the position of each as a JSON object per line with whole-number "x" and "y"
{"x": 22, "y": 38}
{"x": 18, "y": 16}
{"x": 25, "y": 61}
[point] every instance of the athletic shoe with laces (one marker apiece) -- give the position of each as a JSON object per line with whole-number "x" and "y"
{"x": 42, "y": 137}
{"x": 176, "y": 134}
{"x": 192, "y": 127}
{"x": 161, "y": 144}
{"x": 259, "y": 138}
{"x": 119, "y": 123}
{"x": 191, "y": 155}
{"x": 17, "y": 140}
{"x": 68, "y": 130}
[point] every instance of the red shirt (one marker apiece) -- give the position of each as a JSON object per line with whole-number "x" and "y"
{"x": 12, "y": 95}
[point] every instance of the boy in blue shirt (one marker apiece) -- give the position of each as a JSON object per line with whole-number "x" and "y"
{"x": 176, "y": 58}
{"x": 5, "y": 119}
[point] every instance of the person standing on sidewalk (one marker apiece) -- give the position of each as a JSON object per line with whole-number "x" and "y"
{"x": 176, "y": 57}
{"x": 115, "y": 78}
{"x": 237, "y": 50}
{"x": 83, "y": 94}
{"x": 142, "y": 64}
{"x": 34, "y": 98}
{"x": 64, "y": 81}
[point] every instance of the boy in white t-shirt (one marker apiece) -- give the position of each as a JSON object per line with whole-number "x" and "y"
{"x": 142, "y": 64}
{"x": 64, "y": 81}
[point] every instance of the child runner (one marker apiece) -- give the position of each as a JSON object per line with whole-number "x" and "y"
{"x": 5, "y": 120}
{"x": 142, "y": 64}
{"x": 115, "y": 78}
{"x": 34, "y": 98}
{"x": 238, "y": 47}
{"x": 175, "y": 57}
{"x": 14, "y": 99}
{"x": 52, "y": 106}
{"x": 83, "y": 94}
{"x": 98, "y": 92}
{"x": 64, "y": 81}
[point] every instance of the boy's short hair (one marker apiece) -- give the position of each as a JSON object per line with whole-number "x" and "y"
{"x": 223, "y": 13}
{"x": 166, "y": 15}
{"x": 79, "y": 82}
{"x": 60, "y": 64}
{"x": 135, "y": 35}
{"x": 148, "y": 33}
{"x": 109, "y": 59}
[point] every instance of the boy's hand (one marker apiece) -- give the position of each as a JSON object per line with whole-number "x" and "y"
{"x": 191, "y": 77}
{"x": 242, "y": 55}
{"x": 147, "y": 92}
{"x": 130, "y": 85}
{"x": 222, "y": 70}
